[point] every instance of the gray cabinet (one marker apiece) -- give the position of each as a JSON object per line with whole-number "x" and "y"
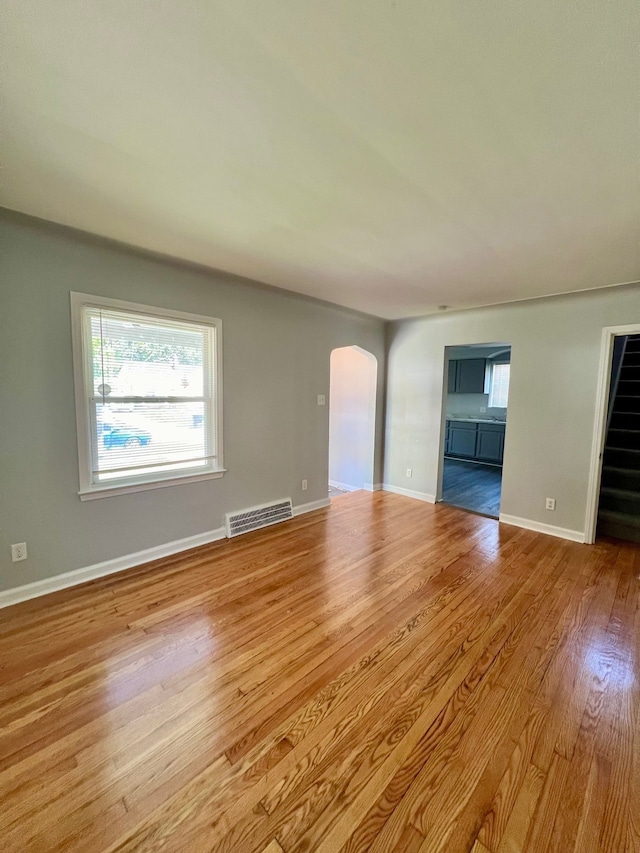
{"x": 482, "y": 442}
{"x": 453, "y": 373}
{"x": 462, "y": 439}
{"x": 466, "y": 376}
{"x": 490, "y": 443}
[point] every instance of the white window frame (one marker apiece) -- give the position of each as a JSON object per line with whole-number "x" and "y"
{"x": 493, "y": 367}
{"x": 83, "y": 381}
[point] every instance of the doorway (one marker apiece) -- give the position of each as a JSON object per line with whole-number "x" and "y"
{"x": 614, "y": 487}
{"x": 477, "y": 380}
{"x": 352, "y": 411}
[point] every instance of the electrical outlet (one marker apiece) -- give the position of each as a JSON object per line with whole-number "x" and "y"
{"x": 304, "y": 485}
{"x": 550, "y": 503}
{"x": 18, "y": 552}
{"x": 483, "y": 410}
{"x": 322, "y": 400}
{"x": 409, "y": 472}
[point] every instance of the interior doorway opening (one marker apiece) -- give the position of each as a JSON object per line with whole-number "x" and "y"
{"x": 615, "y": 471}
{"x": 476, "y": 396}
{"x": 352, "y": 413}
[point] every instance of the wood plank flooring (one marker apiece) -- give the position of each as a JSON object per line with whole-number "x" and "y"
{"x": 383, "y": 675}
{"x": 473, "y": 486}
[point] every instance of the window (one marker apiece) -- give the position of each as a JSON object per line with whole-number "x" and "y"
{"x": 148, "y": 396}
{"x": 499, "y": 392}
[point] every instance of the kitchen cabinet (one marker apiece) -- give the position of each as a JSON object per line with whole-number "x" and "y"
{"x": 462, "y": 439}
{"x": 453, "y": 373}
{"x": 466, "y": 376}
{"x": 490, "y": 443}
{"x": 481, "y": 442}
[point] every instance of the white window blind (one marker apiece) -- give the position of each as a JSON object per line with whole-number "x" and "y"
{"x": 151, "y": 397}
{"x": 499, "y": 392}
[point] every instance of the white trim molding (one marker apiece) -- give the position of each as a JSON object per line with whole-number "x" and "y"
{"x": 409, "y": 493}
{"x": 373, "y": 487}
{"x": 539, "y": 527}
{"x": 127, "y": 561}
{"x": 108, "y": 567}
{"x": 110, "y": 492}
{"x": 344, "y": 487}
{"x": 134, "y": 478}
{"x": 600, "y": 424}
{"x": 311, "y": 506}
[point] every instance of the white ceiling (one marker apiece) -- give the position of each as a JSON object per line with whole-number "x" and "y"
{"x": 387, "y": 155}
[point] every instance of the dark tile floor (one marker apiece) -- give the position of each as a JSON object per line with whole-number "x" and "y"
{"x": 472, "y": 486}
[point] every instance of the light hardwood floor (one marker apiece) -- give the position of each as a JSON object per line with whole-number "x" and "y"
{"x": 382, "y": 675}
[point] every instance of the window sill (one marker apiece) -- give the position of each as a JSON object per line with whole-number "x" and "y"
{"x": 129, "y": 488}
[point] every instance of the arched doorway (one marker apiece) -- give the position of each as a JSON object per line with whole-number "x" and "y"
{"x": 352, "y": 412}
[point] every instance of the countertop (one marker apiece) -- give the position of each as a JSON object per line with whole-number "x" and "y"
{"x": 475, "y": 420}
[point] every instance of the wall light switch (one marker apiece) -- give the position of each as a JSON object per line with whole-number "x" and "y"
{"x": 409, "y": 472}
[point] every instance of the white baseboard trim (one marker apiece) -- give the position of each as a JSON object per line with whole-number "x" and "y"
{"x": 344, "y": 487}
{"x": 108, "y": 567}
{"x": 128, "y": 561}
{"x": 302, "y": 508}
{"x": 409, "y": 493}
{"x": 373, "y": 487}
{"x": 539, "y": 527}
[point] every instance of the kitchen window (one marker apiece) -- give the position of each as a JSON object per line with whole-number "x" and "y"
{"x": 499, "y": 389}
{"x": 148, "y": 396}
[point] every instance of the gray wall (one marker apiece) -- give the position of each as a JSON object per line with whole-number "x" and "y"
{"x": 277, "y": 348}
{"x": 554, "y": 374}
